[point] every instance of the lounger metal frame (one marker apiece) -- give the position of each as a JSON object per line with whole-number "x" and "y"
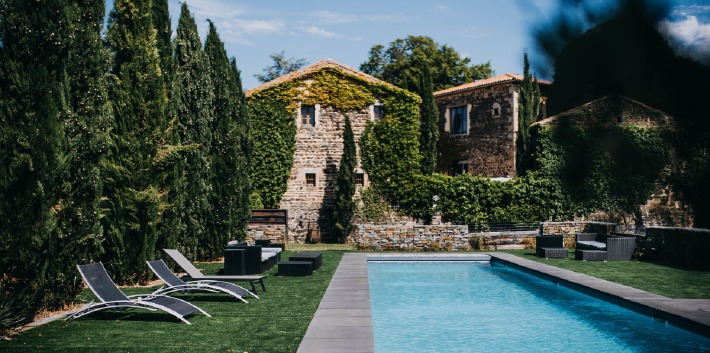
{"x": 138, "y": 301}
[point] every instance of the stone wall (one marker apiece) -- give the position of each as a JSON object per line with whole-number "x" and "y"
{"x": 411, "y": 237}
{"x": 275, "y": 233}
{"x": 318, "y": 150}
{"x": 489, "y": 146}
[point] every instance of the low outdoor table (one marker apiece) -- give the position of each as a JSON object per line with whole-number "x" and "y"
{"x": 295, "y": 268}
{"x": 590, "y": 255}
{"x": 553, "y": 252}
{"x": 315, "y": 257}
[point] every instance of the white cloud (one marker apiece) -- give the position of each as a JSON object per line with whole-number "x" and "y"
{"x": 215, "y": 9}
{"x": 259, "y": 26}
{"x": 689, "y": 37}
{"x": 686, "y": 10}
{"x": 319, "y": 32}
{"x": 330, "y": 17}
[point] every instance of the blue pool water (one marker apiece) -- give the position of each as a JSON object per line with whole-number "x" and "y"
{"x": 483, "y": 307}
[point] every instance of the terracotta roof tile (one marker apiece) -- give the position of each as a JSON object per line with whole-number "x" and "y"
{"x": 505, "y": 78}
{"x": 326, "y": 63}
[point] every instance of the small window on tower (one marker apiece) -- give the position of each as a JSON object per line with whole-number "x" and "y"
{"x": 359, "y": 179}
{"x": 379, "y": 112}
{"x": 311, "y": 179}
{"x": 496, "y": 110}
{"x": 308, "y": 115}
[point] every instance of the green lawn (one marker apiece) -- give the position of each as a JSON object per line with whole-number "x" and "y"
{"x": 668, "y": 281}
{"x": 275, "y": 323}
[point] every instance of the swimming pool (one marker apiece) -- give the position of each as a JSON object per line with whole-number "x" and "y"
{"x": 483, "y": 307}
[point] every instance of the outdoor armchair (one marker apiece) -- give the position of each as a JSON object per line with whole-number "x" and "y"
{"x": 550, "y": 246}
{"x": 616, "y": 247}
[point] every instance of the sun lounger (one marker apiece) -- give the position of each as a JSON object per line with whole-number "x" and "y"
{"x": 194, "y": 274}
{"x": 173, "y": 283}
{"x": 111, "y": 297}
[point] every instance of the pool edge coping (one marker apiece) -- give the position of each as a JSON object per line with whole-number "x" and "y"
{"x": 689, "y": 314}
{"x": 345, "y": 311}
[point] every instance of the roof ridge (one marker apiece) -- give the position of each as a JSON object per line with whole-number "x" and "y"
{"x": 590, "y": 103}
{"x": 325, "y": 63}
{"x": 490, "y": 81}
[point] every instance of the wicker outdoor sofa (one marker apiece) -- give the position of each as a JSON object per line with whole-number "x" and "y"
{"x": 603, "y": 247}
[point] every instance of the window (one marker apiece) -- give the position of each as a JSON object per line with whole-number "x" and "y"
{"x": 359, "y": 179}
{"x": 308, "y": 115}
{"x": 459, "y": 120}
{"x": 311, "y": 179}
{"x": 459, "y": 167}
{"x": 496, "y": 110}
{"x": 379, "y": 112}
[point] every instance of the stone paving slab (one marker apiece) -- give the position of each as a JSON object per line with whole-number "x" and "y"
{"x": 343, "y": 321}
{"x": 348, "y": 344}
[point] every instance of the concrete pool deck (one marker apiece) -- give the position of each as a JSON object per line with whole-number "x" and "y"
{"x": 343, "y": 321}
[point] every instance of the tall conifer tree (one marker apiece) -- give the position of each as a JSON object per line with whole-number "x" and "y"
{"x": 85, "y": 113}
{"x": 344, "y": 206}
{"x": 161, "y": 21}
{"x": 230, "y": 148}
{"x": 429, "y": 137}
{"x": 528, "y": 113}
{"x": 192, "y": 103}
{"x": 31, "y": 142}
{"x": 132, "y": 191}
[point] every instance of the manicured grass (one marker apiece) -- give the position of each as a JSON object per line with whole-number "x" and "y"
{"x": 661, "y": 279}
{"x": 275, "y": 323}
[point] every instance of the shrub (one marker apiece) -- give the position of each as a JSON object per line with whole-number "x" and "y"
{"x": 685, "y": 247}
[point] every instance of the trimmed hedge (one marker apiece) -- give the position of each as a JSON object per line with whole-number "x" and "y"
{"x": 685, "y": 247}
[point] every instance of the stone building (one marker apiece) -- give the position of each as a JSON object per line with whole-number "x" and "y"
{"x": 320, "y": 95}
{"x": 478, "y": 125}
{"x": 664, "y": 207}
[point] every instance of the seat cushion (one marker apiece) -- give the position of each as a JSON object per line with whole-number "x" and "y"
{"x": 266, "y": 255}
{"x": 591, "y": 245}
{"x": 276, "y": 250}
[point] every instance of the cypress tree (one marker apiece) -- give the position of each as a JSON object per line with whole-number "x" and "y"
{"x": 230, "y": 149}
{"x": 192, "y": 103}
{"x": 161, "y": 21}
{"x": 528, "y": 113}
{"x": 429, "y": 136}
{"x": 246, "y": 149}
{"x": 31, "y": 143}
{"x": 344, "y": 206}
{"x": 132, "y": 189}
{"x": 86, "y": 120}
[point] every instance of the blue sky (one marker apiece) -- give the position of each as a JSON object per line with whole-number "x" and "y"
{"x": 484, "y": 30}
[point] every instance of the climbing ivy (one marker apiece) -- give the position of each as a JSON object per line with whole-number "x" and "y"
{"x": 394, "y": 139}
{"x": 330, "y": 86}
{"x": 581, "y": 165}
{"x": 273, "y": 131}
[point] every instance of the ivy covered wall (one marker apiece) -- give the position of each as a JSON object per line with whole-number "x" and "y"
{"x": 610, "y": 156}
{"x": 334, "y": 90}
